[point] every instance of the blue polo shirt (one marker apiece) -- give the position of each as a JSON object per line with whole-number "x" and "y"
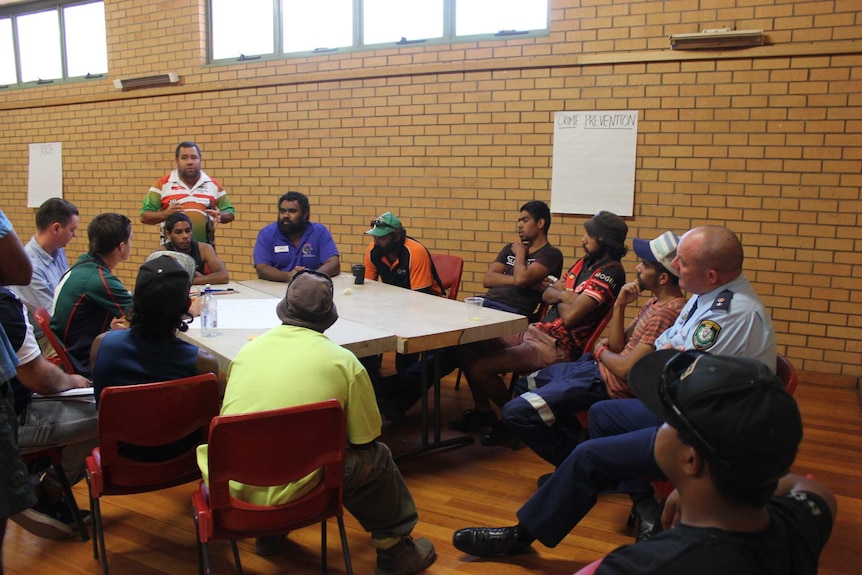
{"x": 272, "y": 248}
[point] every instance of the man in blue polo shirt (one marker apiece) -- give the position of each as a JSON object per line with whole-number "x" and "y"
{"x": 292, "y": 243}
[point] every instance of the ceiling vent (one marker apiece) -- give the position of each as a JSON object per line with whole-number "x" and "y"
{"x": 717, "y": 39}
{"x": 147, "y": 81}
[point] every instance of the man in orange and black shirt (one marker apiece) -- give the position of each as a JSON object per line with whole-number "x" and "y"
{"x": 399, "y": 260}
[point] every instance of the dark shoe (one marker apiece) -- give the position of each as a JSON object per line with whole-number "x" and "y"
{"x": 390, "y": 410}
{"x": 646, "y": 515}
{"x": 498, "y": 435}
{"x": 269, "y": 545}
{"x": 50, "y": 520}
{"x": 490, "y": 541}
{"x": 472, "y": 420}
{"x": 542, "y": 480}
{"x": 406, "y": 557}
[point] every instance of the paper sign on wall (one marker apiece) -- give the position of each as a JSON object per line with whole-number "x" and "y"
{"x": 45, "y": 174}
{"x": 594, "y": 162}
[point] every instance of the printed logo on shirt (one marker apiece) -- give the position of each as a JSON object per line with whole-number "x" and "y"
{"x": 705, "y": 335}
{"x": 307, "y": 250}
{"x": 510, "y": 261}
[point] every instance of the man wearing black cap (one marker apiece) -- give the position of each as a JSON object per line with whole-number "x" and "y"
{"x": 579, "y": 302}
{"x": 730, "y": 437}
{"x": 150, "y": 351}
{"x": 296, "y": 364}
{"x": 543, "y": 416}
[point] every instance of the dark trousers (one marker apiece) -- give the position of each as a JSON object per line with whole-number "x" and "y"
{"x": 543, "y": 415}
{"x": 620, "y": 462}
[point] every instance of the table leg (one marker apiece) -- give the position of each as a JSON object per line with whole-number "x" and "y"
{"x": 438, "y": 443}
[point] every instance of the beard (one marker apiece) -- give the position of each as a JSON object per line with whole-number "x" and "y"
{"x": 592, "y": 256}
{"x": 288, "y": 229}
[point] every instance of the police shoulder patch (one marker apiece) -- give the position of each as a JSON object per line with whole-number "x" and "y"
{"x": 705, "y": 335}
{"x": 722, "y": 301}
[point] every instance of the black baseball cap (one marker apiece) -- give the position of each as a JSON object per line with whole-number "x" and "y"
{"x": 162, "y": 286}
{"x": 735, "y": 411}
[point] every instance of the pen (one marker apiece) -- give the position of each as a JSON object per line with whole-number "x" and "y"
{"x": 223, "y": 291}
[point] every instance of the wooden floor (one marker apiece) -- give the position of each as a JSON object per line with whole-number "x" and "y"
{"x": 154, "y": 533}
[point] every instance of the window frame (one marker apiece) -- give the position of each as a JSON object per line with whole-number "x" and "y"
{"x": 14, "y": 11}
{"x": 358, "y": 45}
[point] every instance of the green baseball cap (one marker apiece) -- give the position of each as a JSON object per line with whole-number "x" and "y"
{"x": 384, "y": 225}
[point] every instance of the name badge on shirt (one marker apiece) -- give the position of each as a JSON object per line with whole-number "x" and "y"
{"x": 281, "y": 249}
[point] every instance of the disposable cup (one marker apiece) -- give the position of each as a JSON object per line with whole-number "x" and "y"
{"x": 475, "y": 311}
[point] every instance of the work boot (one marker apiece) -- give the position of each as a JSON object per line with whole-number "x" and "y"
{"x": 406, "y": 557}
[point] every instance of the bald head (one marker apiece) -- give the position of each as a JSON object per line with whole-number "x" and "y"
{"x": 719, "y": 249}
{"x": 707, "y": 257}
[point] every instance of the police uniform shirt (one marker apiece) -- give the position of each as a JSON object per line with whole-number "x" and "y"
{"x": 729, "y": 320}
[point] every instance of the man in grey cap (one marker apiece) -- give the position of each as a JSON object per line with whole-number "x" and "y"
{"x": 296, "y": 364}
{"x": 730, "y": 437}
{"x": 579, "y": 302}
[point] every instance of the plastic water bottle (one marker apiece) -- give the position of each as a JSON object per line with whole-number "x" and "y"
{"x": 209, "y": 313}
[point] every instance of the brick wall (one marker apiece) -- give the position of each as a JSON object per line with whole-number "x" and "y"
{"x": 766, "y": 140}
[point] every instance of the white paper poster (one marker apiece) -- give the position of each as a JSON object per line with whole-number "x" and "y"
{"x": 594, "y": 162}
{"x": 46, "y": 173}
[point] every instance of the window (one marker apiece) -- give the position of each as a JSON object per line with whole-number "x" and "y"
{"x": 250, "y": 29}
{"x": 41, "y": 42}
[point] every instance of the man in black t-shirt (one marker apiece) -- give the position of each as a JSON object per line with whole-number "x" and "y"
{"x": 731, "y": 434}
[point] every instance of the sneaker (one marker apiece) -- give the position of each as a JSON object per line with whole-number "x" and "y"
{"x": 472, "y": 420}
{"x": 406, "y": 557}
{"x": 540, "y": 482}
{"x": 50, "y": 520}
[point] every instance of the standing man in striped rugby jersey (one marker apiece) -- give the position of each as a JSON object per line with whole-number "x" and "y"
{"x": 188, "y": 189}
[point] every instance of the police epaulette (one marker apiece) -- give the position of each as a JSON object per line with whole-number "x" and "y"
{"x": 722, "y": 301}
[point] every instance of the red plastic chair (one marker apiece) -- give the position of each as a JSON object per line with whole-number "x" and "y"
{"x": 265, "y": 449}
{"x": 147, "y": 415}
{"x": 785, "y": 370}
{"x": 449, "y": 268}
{"x": 43, "y": 318}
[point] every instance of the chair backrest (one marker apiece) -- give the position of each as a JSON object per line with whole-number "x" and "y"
{"x": 449, "y": 268}
{"x": 785, "y": 370}
{"x": 597, "y": 333}
{"x": 43, "y": 318}
{"x": 241, "y": 448}
{"x": 153, "y": 415}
